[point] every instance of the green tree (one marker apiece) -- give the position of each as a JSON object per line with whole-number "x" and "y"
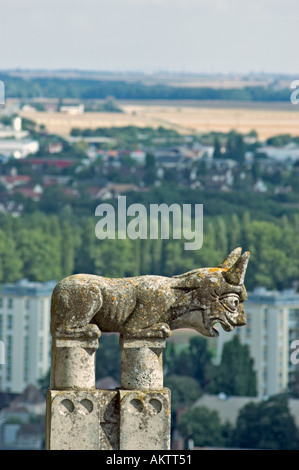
{"x": 234, "y": 232}
{"x": 85, "y": 259}
{"x": 150, "y": 171}
{"x": 108, "y": 357}
{"x": 270, "y": 265}
{"x": 217, "y": 149}
{"x": 235, "y": 147}
{"x": 201, "y": 358}
{"x": 40, "y": 253}
{"x": 11, "y": 264}
{"x": 279, "y": 140}
{"x": 235, "y": 375}
{"x": 203, "y": 426}
{"x": 193, "y": 361}
{"x": 114, "y": 258}
{"x": 67, "y": 249}
{"x": 53, "y": 199}
{"x": 266, "y": 425}
{"x": 240, "y": 148}
{"x": 221, "y": 236}
{"x": 185, "y": 390}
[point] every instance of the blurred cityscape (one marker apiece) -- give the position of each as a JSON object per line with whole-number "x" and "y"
{"x": 68, "y": 144}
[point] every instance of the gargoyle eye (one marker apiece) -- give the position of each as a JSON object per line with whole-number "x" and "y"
{"x": 231, "y": 302}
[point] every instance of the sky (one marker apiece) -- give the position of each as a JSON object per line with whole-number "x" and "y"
{"x": 202, "y": 36}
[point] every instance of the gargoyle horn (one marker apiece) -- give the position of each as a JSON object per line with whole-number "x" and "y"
{"x": 231, "y": 258}
{"x": 236, "y": 274}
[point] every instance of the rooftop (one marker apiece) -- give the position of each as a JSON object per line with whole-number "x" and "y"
{"x": 228, "y": 407}
{"x": 263, "y": 296}
{"x": 24, "y": 287}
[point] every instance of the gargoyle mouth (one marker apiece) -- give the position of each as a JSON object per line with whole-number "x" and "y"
{"x": 227, "y": 324}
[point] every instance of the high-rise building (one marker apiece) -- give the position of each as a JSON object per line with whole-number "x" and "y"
{"x": 24, "y": 333}
{"x": 272, "y": 326}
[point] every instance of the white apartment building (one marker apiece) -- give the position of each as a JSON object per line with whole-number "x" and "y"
{"x": 18, "y": 148}
{"x": 272, "y": 325}
{"x": 24, "y": 333}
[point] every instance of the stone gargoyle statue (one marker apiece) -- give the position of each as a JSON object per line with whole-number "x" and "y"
{"x": 151, "y": 306}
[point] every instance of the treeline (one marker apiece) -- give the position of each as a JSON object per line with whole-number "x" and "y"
{"x": 79, "y": 88}
{"x": 42, "y": 247}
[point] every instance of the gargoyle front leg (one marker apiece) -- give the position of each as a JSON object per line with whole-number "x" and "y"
{"x": 160, "y": 330}
{"x": 75, "y": 301}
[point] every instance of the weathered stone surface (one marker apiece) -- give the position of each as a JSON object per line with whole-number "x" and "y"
{"x": 108, "y": 402}
{"x": 73, "y": 364}
{"x": 142, "y": 364}
{"x": 82, "y": 420}
{"x": 72, "y": 421}
{"x": 152, "y": 306}
{"x": 144, "y": 420}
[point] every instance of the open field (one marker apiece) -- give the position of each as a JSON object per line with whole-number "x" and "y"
{"x": 267, "y": 119}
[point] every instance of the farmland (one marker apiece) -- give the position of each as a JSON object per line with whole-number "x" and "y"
{"x": 186, "y": 117}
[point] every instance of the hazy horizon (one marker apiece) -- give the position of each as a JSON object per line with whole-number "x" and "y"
{"x": 173, "y": 36}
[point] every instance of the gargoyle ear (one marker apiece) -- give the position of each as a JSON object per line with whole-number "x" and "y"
{"x": 236, "y": 274}
{"x": 230, "y": 260}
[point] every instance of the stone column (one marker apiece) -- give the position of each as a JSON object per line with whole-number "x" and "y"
{"x": 144, "y": 404}
{"x": 73, "y": 364}
{"x": 142, "y": 364}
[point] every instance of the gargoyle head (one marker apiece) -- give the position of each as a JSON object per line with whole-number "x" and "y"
{"x": 216, "y": 295}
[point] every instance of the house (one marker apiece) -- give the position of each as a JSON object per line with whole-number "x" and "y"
{"x": 47, "y": 162}
{"x": 138, "y": 156}
{"x": 114, "y": 190}
{"x": 289, "y": 152}
{"x": 22, "y": 421}
{"x": 18, "y": 148}
{"x": 31, "y": 192}
{"x": 6, "y": 398}
{"x": 203, "y": 151}
{"x": 55, "y": 147}
{"x": 74, "y": 110}
{"x": 14, "y": 131}
{"x": 31, "y": 436}
{"x": 7, "y": 206}
{"x": 50, "y": 107}
{"x": 260, "y": 187}
{"x": 51, "y": 180}
{"x": 11, "y": 182}
{"x": 172, "y": 158}
{"x": 94, "y": 192}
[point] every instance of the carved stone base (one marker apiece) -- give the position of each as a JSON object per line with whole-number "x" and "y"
{"x": 108, "y": 420}
{"x": 144, "y": 420}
